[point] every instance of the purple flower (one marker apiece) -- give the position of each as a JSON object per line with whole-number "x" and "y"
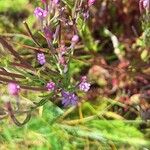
{"x": 13, "y": 89}
{"x": 84, "y": 86}
{"x": 75, "y": 39}
{"x": 43, "y": 1}
{"x": 50, "y": 86}
{"x": 91, "y": 2}
{"x": 41, "y": 58}
{"x": 40, "y": 13}
{"x": 69, "y": 99}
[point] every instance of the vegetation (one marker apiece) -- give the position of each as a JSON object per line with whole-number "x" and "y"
{"x": 97, "y": 53}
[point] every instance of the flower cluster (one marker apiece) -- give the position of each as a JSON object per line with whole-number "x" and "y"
{"x": 57, "y": 53}
{"x": 69, "y": 98}
{"x": 84, "y": 85}
{"x": 41, "y": 58}
{"x": 54, "y": 55}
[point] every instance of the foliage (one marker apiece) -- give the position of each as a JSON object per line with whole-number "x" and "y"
{"x": 112, "y": 114}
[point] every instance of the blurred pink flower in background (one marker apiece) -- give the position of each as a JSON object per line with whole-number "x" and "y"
{"x": 13, "y": 89}
{"x": 91, "y": 2}
{"x": 144, "y": 5}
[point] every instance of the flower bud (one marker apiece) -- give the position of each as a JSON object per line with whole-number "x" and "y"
{"x": 75, "y": 39}
{"x": 48, "y": 33}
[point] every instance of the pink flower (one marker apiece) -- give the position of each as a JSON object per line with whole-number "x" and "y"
{"x": 75, "y": 39}
{"x": 40, "y": 13}
{"x": 13, "y": 89}
{"x": 50, "y": 86}
{"x": 144, "y": 5}
{"x": 41, "y": 58}
{"x": 43, "y": 1}
{"x": 91, "y": 2}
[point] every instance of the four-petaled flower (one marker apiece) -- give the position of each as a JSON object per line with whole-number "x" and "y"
{"x": 40, "y": 13}
{"x": 69, "y": 99}
{"x": 50, "y": 86}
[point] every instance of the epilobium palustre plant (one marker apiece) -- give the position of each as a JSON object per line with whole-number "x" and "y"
{"x": 51, "y": 74}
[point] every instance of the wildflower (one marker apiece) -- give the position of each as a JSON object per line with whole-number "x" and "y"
{"x": 69, "y": 99}
{"x": 91, "y": 2}
{"x": 40, "y": 13}
{"x": 75, "y": 39}
{"x": 84, "y": 85}
{"x": 13, "y": 89}
{"x": 41, "y": 58}
{"x": 144, "y": 5}
{"x": 50, "y": 86}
